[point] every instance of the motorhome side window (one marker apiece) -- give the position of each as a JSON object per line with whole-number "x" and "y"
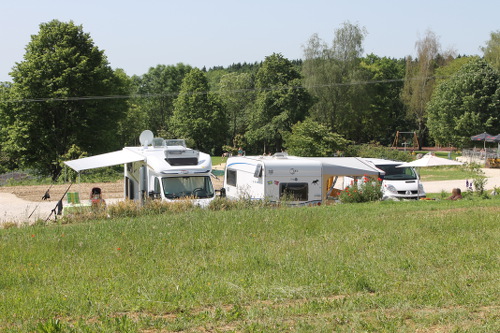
{"x": 231, "y": 177}
{"x": 297, "y": 191}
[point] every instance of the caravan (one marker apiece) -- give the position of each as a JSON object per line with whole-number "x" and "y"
{"x": 158, "y": 169}
{"x": 273, "y": 178}
{"x": 298, "y": 180}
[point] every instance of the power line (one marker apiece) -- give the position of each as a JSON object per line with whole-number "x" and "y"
{"x": 149, "y": 95}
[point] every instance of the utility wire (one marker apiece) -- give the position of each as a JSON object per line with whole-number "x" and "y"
{"x": 276, "y": 88}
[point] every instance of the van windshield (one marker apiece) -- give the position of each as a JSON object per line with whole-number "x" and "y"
{"x": 393, "y": 173}
{"x": 191, "y": 186}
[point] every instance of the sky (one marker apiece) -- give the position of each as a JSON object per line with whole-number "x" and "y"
{"x": 137, "y": 35}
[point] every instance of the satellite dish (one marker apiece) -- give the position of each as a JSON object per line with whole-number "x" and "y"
{"x": 146, "y": 138}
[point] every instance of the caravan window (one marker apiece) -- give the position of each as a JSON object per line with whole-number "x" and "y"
{"x": 298, "y": 191}
{"x": 231, "y": 177}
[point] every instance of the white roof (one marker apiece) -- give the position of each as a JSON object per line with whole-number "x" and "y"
{"x": 104, "y": 160}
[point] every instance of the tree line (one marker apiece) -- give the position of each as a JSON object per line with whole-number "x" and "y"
{"x": 65, "y": 101}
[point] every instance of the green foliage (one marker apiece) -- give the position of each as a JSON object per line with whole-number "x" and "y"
{"x": 159, "y": 88}
{"x": 377, "y": 151}
{"x": 310, "y": 138}
{"x": 364, "y": 190}
{"x": 492, "y": 50}
{"x": 420, "y": 80}
{"x": 466, "y": 104}
{"x": 386, "y": 113}
{"x": 198, "y": 114}
{"x": 332, "y": 75}
{"x": 237, "y": 95}
{"x": 280, "y": 102}
{"x": 61, "y": 67}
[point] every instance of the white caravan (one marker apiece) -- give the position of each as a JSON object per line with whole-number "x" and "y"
{"x": 398, "y": 182}
{"x": 301, "y": 180}
{"x": 158, "y": 169}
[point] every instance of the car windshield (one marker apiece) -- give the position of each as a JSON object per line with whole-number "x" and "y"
{"x": 393, "y": 173}
{"x": 191, "y": 186}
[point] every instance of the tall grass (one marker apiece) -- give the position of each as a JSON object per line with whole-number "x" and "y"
{"x": 384, "y": 266}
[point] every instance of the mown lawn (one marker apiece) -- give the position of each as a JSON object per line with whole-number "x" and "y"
{"x": 430, "y": 266}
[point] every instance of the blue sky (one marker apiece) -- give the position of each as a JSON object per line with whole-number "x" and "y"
{"x": 137, "y": 35}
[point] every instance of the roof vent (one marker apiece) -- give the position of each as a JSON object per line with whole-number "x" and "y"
{"x": 177, "y": 154}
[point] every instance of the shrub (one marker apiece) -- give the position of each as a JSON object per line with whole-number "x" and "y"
{"x": 364, "y": 190}
{"x": 378, "y": 151}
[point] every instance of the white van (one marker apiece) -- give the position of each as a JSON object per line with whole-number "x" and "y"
{"x": 398, "y": 183}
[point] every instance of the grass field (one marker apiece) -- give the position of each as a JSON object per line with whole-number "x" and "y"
{"x": 430, "y": 266}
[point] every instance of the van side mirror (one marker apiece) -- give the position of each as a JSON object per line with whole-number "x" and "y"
{"x": 222, "y": 192}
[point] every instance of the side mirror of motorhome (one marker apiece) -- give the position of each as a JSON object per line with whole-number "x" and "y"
{"x": 222, "y": 192}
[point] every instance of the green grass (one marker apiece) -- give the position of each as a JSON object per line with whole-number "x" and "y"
{"x": 384, "y": 266}
{"x": 445, "y": 173}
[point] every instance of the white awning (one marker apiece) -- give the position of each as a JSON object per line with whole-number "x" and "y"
{"x": 104, "y": 160}
{"x": 347, "y": 166}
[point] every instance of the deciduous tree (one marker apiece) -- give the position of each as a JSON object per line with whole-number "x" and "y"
{"x": 158, "y": 89}
{"x": 198, "y": 114}
{"x": 280, "y": 102}
{"x": 420, "y": 80}
{"x": 466, "y": 104}
{"x": 62, "y": 89}
{"x": 238, "y": 95}
{"x": 310, "y": 138}
{"x": 492, "y": 50}
{"x": 333, "y": 75}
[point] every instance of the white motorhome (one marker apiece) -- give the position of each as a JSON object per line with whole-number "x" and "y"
{"x": 301, "y": 180}
{"x": 158, "y": 169}
{"x": 398, "y": 182}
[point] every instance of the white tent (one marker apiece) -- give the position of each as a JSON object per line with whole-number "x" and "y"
{"x": 429, "y": 160}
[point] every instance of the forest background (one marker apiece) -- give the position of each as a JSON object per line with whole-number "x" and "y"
{"x": 66, "y": 102}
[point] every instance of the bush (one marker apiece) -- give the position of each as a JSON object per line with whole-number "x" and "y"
{"x": 377, "y": 151}
{"x": 364, "y": 190}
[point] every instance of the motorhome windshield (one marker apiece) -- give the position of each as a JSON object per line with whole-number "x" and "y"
{"x": 394, "y": 173}
{"x": 191, "y": 186}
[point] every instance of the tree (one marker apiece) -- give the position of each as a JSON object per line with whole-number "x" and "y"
{"x": 280, "y": 102}
{"x": 466, "y": 104}
{"x": 238, "y": 95}
{"x": 332, "y": 75}
{"x": 61, "y": 69}
{"x": 492, "y": 50}
{"x": 198, "y": 114}
{"x": 159, "y": 88}
{"x": 420, "y": 80}
{"x": 310, "y": 138}
{"x": 385, "y": 114}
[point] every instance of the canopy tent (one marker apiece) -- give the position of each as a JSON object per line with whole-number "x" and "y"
{"x": 429, "y": 160}
{"x": 104, "y": 160}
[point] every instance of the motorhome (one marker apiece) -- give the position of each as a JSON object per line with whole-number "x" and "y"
{"x": 398, "y": 182}
{"x": 298, "y": 180}
{"x": 158, "y": 169}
